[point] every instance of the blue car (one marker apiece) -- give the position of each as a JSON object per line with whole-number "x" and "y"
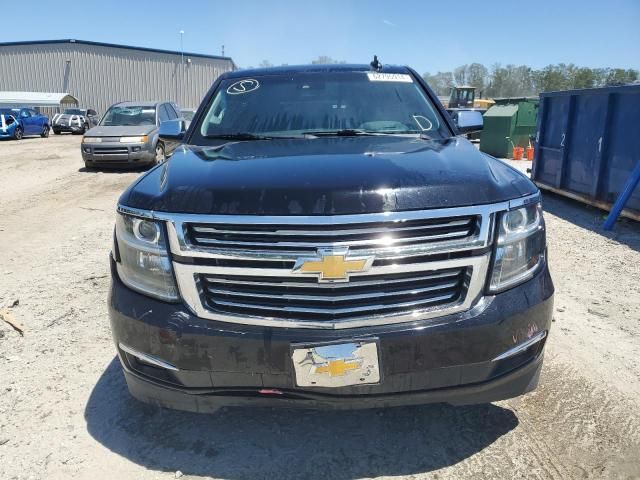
{"x": 17, "y": 122}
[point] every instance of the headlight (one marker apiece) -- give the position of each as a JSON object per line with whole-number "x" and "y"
{"x": 91, "y": 139}
{"x": 144, "y": 262}
{"x": 142, "y": 139}
{"x": 520, "y": 247}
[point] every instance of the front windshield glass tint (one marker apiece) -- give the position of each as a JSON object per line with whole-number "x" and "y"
{"x": 129, "y": 116}
{"x": 322, "y": 102}
{"x": 74, "y": 111}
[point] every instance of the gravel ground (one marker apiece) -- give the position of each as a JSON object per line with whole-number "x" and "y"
{"x": 65, "y": 411}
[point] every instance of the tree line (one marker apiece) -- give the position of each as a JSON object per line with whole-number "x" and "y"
{"x": 516, "y": 80}
{"x": 523, "y": 81}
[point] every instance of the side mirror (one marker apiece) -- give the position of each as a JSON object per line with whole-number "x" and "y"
{"x": 92, "y": 113}
{"x": 172, "y": 130}
{"x": 469, "y": 121}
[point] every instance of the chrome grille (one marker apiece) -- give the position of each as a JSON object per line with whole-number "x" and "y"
{"x": 307, "y": 238}
{"x": 240, "y": 268}
{"x": 305, "y": 298}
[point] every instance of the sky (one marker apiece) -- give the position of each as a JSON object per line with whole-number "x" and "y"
{"x": 428, "y": 36}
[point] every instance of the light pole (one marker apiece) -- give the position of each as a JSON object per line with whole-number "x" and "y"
{"x": 181, "y": 67}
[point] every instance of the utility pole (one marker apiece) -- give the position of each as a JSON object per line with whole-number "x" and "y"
{"x": 223, "y": 50}
{"x": 179, "y": 99}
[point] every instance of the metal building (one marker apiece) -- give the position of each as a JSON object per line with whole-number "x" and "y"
{"x": 101, "y": 74}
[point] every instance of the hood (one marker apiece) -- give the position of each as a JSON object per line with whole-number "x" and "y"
{"x": 326, "y": 176}
{"x": 119, "y": 131}
{"x": 66, "y": 116}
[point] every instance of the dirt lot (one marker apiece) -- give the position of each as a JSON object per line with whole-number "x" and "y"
{"x": 65, "y": 411}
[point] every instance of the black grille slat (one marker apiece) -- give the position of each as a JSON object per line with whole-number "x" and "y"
{"x": 110, "y": 150}
{"x": 304, "y": 297}
{"x": 310, "y": 285}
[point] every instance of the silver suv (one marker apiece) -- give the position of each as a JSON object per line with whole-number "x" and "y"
{"x": 127, "y": 135}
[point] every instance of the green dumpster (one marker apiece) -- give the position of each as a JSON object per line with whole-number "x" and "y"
{"x": 509, "y": 120}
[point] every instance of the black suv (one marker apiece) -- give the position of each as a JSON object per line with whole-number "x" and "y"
{"x": 322, "y": 236}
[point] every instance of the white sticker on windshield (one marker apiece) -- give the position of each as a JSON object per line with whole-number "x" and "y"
{"x": 389, "y": 77}
{"x": 243, "y": 86}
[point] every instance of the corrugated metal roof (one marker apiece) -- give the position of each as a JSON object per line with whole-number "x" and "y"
{"x": 99, "y": 76}
{"x": 114, "y": 45}
{"x": 36, "y": 99}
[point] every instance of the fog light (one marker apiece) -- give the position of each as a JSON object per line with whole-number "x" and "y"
{"x": 136, "y": 149}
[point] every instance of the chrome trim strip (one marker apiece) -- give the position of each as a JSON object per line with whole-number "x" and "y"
{"x": 522, "y": 346}
{"x": 185, "y": 275}
{"x": 519, "y": 202}
{"x": 180, "y": 247}
{"x": 332, "y": 298}
{"x": 148, "y": 358}
{"x": 334, "y": 233}
{"x": 227, "y": 281}
{"x": 340, "y": 243}
{"x": 403, "y": 215}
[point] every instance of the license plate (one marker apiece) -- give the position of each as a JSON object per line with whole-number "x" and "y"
{"x": 336, "y": 364}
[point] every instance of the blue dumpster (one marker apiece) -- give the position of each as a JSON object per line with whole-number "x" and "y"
{"x": 588, "y": 145}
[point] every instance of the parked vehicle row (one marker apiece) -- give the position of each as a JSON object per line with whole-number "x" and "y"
{"x": 15, "y": 123}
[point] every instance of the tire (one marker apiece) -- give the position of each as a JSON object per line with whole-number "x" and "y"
{"x": 56, "y": 132}
{"x": 45, "y": 132}
{"x": 161, "y": 157}
{"x": 17, "y": 134}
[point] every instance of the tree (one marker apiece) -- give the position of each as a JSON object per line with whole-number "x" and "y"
{"x": 265, "y": 64}
{"x": 583, "y": 78}
{"x": 620, "y": 76}
{"x": 476, "y": 76}
{"x": 460, "y": 75}
{"x": 440, "y": 83}
{"x": 552, "y": 78}
{"x": 324, "y": 59}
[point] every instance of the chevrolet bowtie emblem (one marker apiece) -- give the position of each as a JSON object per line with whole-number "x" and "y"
{"x": 332, "y": 265}
{"x": 338, "y": 368}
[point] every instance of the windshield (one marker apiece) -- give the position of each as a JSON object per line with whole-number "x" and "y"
{"x": 131, "y": 115}
{"x": 74, "y": 111}
{"x": 325, "y": 102}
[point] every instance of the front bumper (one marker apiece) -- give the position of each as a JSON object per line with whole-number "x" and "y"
{"x": 68, "y": 128}
{"x": 459, "y": 359}
{"x": 115, "y": 154}
{"x": 10, "y": 133}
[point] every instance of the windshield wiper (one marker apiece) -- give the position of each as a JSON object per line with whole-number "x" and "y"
{"x": 248, "y": 136}
{"x": 345, "y": 132}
